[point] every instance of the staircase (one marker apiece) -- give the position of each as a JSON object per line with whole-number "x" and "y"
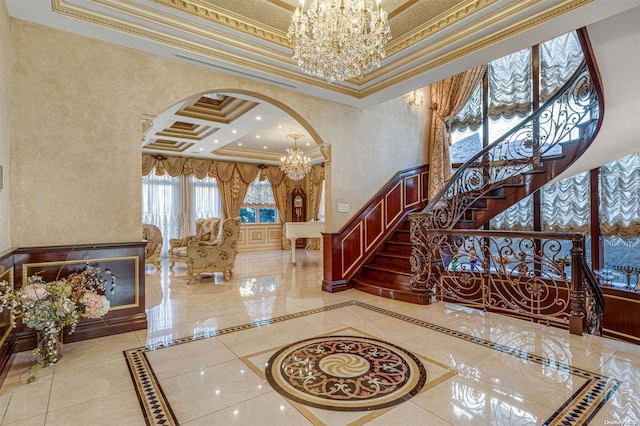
{"x": 511, "y": 168}
{"x": 388, "y": 273}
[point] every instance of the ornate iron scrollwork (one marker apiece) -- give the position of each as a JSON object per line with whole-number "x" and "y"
{"x": 570, "y": 116}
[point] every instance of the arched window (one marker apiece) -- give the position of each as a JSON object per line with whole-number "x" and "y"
{"x": 259, "y": 205}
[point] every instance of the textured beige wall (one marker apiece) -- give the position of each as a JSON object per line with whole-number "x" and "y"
{"x": 5, "y": 84}
{"x": 75, "y": 142}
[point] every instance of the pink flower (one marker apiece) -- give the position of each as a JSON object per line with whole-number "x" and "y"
{"x": 35, "y": 292}
{"x": 95, "y": 306}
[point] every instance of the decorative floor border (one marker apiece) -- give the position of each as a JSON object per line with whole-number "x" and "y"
{"x": 580, "y": 408}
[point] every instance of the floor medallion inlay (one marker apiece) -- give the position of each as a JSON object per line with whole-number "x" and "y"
{"x": 345, "y": 373}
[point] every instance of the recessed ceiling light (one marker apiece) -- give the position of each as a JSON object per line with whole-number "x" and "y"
{"x": 201, "y": 149}
{"x": 308, "y": 143}
{"x": 258, "y": 117}
{"x": 234, "y": 131}
{"x": 216, "y": 141}
{"x": 257, "y": 136}
{"x": 239, "y": 143}
{"x": 264, "y": 147}
{"x": 279, "y": 126}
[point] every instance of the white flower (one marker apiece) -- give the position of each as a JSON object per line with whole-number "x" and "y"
{"x": 35, "y": 292}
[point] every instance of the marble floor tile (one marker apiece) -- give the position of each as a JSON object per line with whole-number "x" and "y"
{"x": 267, "y": 409}
{"x": 203, "y": 392}
{"x": 409, "y": 410}
{"x": 121, "y": 408}
{"x": 195, "y": 356}
{"x": 465, "y": 401}
{"x": 207, "y": 344}
{"x": 77, "y": 385}
{"x": 256, "y": 339}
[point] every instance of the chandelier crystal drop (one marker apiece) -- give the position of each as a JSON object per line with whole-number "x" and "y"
{"x": 295, "y": 165}
{"x": 339, "y": 39}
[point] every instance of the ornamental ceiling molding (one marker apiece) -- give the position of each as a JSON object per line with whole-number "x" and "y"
{"x": 439, "y": 23}
{"x": 229, "y": 19}
{"x": 510, "y": 31}
{"x": 469, "y": 31}
{"x": 227, "y": 151}
{"x": 281, "y": 60}
{"x": 93, "y": 17}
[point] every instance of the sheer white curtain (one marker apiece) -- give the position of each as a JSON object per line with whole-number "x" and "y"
{"x": 162, "y": 205}
{"x": 559, "y": 59}
{"x": 620, "y": 198}
{"x": 260, "y": 193}
{"x": 204, "y": 199}
{"x": 565, "y": 205}
{"x": 518, "y": 217}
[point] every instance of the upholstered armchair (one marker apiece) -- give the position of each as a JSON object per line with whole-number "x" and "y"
{"x": 218, "y": 257}
{"x": 206, "y": 234}
{"x": 152, "y": 250}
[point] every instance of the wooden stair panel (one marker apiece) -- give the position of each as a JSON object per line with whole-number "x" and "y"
{"x": 391, "y": 291}
{"x": 393, "y": 260}
{"x": 387, "y": 274}
{"x": 401, "y": 235}
{"x": 398, "y": 247}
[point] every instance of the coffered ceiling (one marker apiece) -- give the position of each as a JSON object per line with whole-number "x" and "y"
{"x": 431, "y": 39}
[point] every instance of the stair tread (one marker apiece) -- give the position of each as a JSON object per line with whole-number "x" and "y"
{"x": 387, "y": 269}
{"x": 394, "y": 255}
{"x": 511, "y": 185}
{"x": 387, "y": 285}
{"x": 402, "y": 243}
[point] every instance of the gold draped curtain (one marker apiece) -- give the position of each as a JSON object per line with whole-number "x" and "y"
{"x": 316, "y": 177}
{"x": 280, "y": 188}
{"x": 448, "y": 96}
{"x": 233, "y": 180}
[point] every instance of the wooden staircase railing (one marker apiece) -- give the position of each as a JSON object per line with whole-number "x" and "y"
{"x": 346, "y": 251}
{"x": 506, "y": 171}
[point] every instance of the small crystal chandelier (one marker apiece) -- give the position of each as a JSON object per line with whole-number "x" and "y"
{"x": 339, "y": 39}
{"x": 295, "y": 165}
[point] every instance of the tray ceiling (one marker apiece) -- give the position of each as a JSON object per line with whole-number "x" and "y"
{"x": 431, "y": 39}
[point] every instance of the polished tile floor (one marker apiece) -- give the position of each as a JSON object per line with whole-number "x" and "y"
{"x": 201, "y": 361}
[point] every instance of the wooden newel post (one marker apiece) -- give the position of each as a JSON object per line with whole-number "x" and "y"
{"x": 577, "y": 318}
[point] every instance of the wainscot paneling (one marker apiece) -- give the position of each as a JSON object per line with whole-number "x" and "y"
{"x": 256, "y": 237}
{"x": 621, "y": 314}
{"x": 127, "y": 312}
{"x": 344, "y": 252}
{"x": 126, "y": 261}
{"x": 7, "y": 336}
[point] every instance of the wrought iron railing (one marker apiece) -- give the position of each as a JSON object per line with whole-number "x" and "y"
{"x": 518, "y": 274}
{"x": 571, "y": 116}
{"x": 594, "y": 302}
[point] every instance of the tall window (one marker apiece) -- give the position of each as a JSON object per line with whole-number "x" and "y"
{"x": 205, "y": 199}
{"x": 510, "y": 92}
{"x": 161, "y": 205}
{"x": 259, "y": 205}
{"x": 620, "y": 215}
{"x": 174, "y": 203}
{"x": 508, "y": 89}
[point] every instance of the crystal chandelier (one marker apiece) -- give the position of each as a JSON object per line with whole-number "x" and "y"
{"x": 295, "y": 165}
{"x": 339, "y": 39}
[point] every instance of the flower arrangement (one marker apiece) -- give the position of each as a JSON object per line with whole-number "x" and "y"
{"x": 49, "y": 306}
